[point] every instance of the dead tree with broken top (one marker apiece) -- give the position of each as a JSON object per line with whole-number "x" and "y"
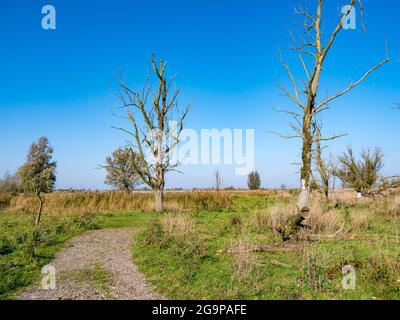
{"x": 312, "y": 52}
{"x": 157, "y": 122}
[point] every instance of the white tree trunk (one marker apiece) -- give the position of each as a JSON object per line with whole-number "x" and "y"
{"x": 304, "y": 196}
{"x": 159, "y": 196}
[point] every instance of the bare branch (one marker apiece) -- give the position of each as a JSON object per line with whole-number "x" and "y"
{"x": 352, "y": 86}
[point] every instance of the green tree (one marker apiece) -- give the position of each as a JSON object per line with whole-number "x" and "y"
{"x": 120, "y": 170}
{"x": 38, "y": 174}
{"x": 254, "y": 180}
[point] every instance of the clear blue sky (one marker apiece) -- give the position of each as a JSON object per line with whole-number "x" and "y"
{"x": 60, "y": 83}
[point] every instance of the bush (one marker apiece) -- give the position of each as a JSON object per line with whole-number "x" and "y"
{"x": 10, "y": 184}
{"x": 154, "y": 234}
{"x": 362, "y": 174}
{"x": 85, "y": 221}
{"x": 6, "y": 246}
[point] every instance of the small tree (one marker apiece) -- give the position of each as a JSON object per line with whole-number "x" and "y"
{"x": 38, "y": 173}
{"x": 363, "y": 174}
{"x": 157, "y": 123}
{"x": 254, "y": 180}
{"x": 120, "y": 170}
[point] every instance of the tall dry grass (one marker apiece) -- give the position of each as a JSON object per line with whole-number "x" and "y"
{"x": 324, "y": 222}
{"x": 178, "y": 224}
{"x": 98, "y": 201}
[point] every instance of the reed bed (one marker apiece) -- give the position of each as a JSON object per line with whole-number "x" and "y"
{"x": 101, "y": 201}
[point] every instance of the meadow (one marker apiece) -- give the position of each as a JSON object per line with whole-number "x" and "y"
{"x": 223, "y": 245}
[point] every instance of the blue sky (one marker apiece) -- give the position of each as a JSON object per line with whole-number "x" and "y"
{"x": 60, "y": 83}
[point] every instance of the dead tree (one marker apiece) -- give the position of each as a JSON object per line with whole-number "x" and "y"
{"x": 156, "y": 128}
{"x": 322, "y": 166}
{"x": 312, "y": 54}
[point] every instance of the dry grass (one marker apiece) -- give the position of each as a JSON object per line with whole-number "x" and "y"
{"x": 327, "y": 223}
{"x": 360, "y": 221}
{"x": 245, "y": 269}
{"x": 97, "y": 201}
{"x": 178, "y": 224}
{"x": 394, "y": 206}
{"x": 279, "y": 216}
{"x": 245, "y": 261}
{"x": 383, "y": 268}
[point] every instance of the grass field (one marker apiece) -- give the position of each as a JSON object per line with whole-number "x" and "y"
{"x": 208, "y": 253}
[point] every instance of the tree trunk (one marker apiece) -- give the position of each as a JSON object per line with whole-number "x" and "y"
{"x": 39, "y": 215}
{"x": 306, "y": 153}
{"x": 305, "y": 174}
{"x": 159, "y": 194}
{"x": 326, "y": 193}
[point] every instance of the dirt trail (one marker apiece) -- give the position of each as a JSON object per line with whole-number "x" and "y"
{"x": 94, "y": 266}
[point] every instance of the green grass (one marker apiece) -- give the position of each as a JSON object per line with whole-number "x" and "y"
{"x": 188, "y": 260}
{"x": 31, "y": 248}
{"x": 315, "y": 273}
{"x": 24, "y": 249}
{"x": 124, "y": 219}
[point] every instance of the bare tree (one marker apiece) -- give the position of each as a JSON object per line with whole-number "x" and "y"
{"x": 156, "y": 128}
{"x": 312, "y": 53}
{"x": 218, "y": 180}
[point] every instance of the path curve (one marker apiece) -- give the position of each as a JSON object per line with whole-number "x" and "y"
{"x": 96, "y": 265}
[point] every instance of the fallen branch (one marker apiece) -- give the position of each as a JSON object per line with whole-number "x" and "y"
{"x": 259, "y": 248}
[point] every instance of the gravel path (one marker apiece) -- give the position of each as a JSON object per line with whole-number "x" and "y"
{"x": 96, "y": 265}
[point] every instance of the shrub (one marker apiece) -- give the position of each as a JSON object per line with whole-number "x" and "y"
{"x": 362, "y": 174}
{"x": 6, "y": 246}
{"x": 86, "y": 221}
{"x": 10, "y": 184}
{"x": 154, "y": 234}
